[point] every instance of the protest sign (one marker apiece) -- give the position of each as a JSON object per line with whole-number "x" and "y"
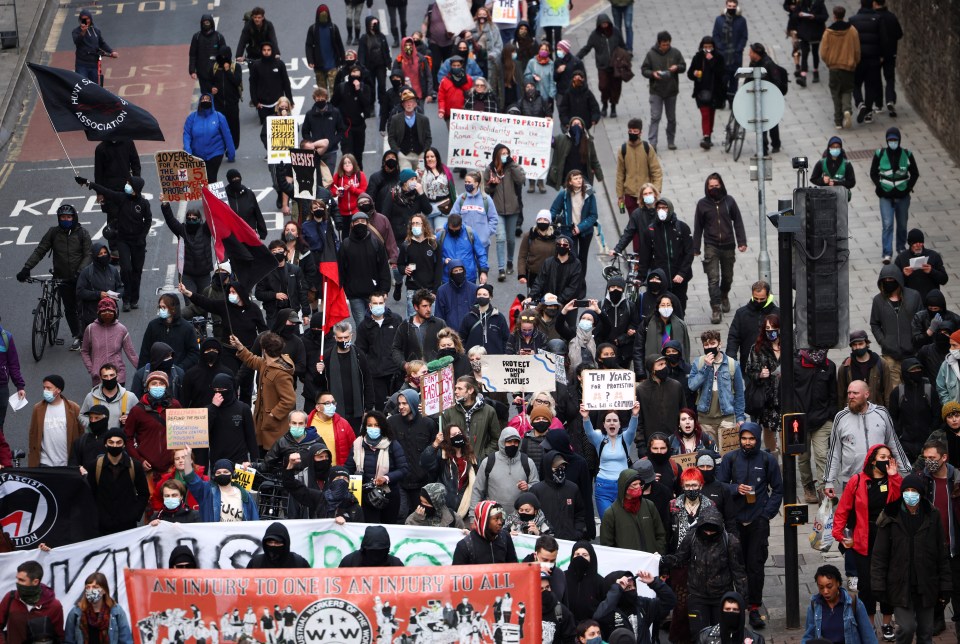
{"x": 243, "y": 476}
{"x": 473, "y": 135}
{"x": 436, "y": 391}
{"x": 555, "y": 13}
{"x": 281, "y": 136}
{"x": 219, "y": 190}
{"x": 187, "y": 427}
{"x": 456, "y": 15}
{"x": 517, "y": 373}
{"x": 608, "y": 389}
{"x": 557, "y": 362}
{"x": 356, "y": 487}
{"x": 729, "y": 439}
{"x": 685, "y": 461}
{"x": 304, "y": 164}
{"x": 506, "y": 12}
{"x": 182, "y": 176}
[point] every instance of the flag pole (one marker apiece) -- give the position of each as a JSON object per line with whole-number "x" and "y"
{"x": 323, "y": 335}
{"x": 223, "y": 291}
{"x": 55, "y": 133}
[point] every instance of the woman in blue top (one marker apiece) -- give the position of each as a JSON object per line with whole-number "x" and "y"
{"x": 614, "y": 454}
{"x": 576, "y": 208}
{"x": 96, "y": 616}
{"x": 206, "y": 134}
{"x": 219, "y": 498}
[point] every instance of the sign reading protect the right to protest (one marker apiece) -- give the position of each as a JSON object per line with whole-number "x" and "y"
{"x": 473, "y": 135}
{"x": 608, "y": 389}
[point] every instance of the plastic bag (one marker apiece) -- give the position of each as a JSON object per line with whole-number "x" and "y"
{"x": 822, "y": 536}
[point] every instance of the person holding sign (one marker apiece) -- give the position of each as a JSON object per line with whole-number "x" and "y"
{"x": 613, "y": 447}
{"x": 146, "y": 432}
{"x": 220, "y": 499}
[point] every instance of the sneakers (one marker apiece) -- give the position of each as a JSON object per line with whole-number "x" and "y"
{"x": 887, "y": 631}
{"x": 502, "y": 277}
{"x": 126, "y": 307}
{"x": 838, "y": 126}
{"x": 892, "y": 110}
{"x": 716, "y": 316}
{"x": 725, "y": 304}
{"x": 75, "y": 346}
{"x": 816, "y": 76}
{"x": 847, "y": 119}
{"x": 852, "y": 583}
{"x": 862, "y": 111}
{"x": 868, "y": 117}
{"x": 509, "y": 268}
{"x": 802, "y": 80}
{"x": 134, "y": 305}
{"x": 671, "y": 146}
{"x": 756, "y": 622}
{"x": 886, "y": 259}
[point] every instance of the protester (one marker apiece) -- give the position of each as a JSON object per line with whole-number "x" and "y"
{"x": 96, "y": 616}
{"x": 220, "y": 499}
{"x": 29, "y": 601}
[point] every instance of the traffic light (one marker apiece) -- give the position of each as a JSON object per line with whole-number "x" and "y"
{"x": 793, "y": 435}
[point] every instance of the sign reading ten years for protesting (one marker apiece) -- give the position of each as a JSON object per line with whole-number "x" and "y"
{"x": 608, "y": 389}
{"x": 473, "y": 135}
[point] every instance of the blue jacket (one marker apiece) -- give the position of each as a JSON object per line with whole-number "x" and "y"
{"x": 700, "y": 381}
{"x": 208, "y": 135}
{"x": 471, "y": 254}
{"x": 207, "y": 494}
{"x": 731, "y": 51}
{"x": 119, "y": 632}
{"x": 479, "y": 212}
{"x": 857, "y": 625}
{"x": 761, "y": 470}
{"x": 473, "y": 69}
{"x": 454, "y": 302}
{"x": 588, "y": 214}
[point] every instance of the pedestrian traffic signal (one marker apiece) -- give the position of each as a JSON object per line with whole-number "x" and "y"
{"x": 794, "y": 433}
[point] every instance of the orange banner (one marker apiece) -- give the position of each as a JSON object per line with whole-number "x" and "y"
{"x": 498, "y": 603}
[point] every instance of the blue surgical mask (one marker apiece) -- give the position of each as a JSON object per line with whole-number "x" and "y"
{"x": 163, "y": 314}
{"x": 330, "y": 409}
{"x": 893, "y": 145}
{"x": 649, "y": 199}
{"x": 66, "y": 224}
{"x": 469, "y": 187}
{"x": 373, "y": 433}
{"x": 911, "y": 498}
{"x": 835, "y": 152}
{"x": 561, "y": 53}
{"x": 378, "y": 309}
{"x": 416, "y": 230}
{"x": 157, "y": 392}
{"x": 234, "y": 298}
{"x": 504, "y": 158}
{"x": 128, "y": 189}
{"x": 297, "y": 431}
{"x": 49, "y": 396}
{"x": 595, "y": 640}
{"x": 585, "y": 324}
{"x": 171, "y": 503}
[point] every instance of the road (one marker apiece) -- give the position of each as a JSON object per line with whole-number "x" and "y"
{"x": 153, "y": 39}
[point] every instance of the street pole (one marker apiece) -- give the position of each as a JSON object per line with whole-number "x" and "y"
{"x": 787, "y": 405}
{"x": 763, "y": 261}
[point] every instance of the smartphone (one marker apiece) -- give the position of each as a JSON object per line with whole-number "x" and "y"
{"x": 582, "y": 303}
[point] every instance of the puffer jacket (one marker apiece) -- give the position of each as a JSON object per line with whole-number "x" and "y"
{"x": 892, "y": 326}
{"x": 70, "y": 249}
{"x": 717, "y": 564}
{"x": 870, "y": 29}
{"x": 197, "y": 251}
{"x": 667, "y": 245}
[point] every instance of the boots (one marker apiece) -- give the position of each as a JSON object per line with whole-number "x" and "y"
{"x": 396, "y": 38}
{"x": 716, "y": 316}
{"x": 816, "y": 76}
{"x": 541, "y": 187}
{"x": 725, "y": 303}
{"x": 613, "y": 111}
{"x": 349, "y": 32}
{"x": 603, "y": 110}
{"x": 531, "y": 186}
{"x": 706, "y": 144}
{"x": 810, "y": 493}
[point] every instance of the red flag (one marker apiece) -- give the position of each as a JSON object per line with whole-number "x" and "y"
{"x": 234, "y": 240}
{"x": 335, "y": 303}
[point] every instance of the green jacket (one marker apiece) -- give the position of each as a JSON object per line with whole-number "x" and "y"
{"x": 71, "y": 251}
{"x": 562, "y": 146}
{"x": 641, "y": 531}
{"x": 483, "y": 430}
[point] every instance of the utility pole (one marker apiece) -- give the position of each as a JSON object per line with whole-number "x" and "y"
{"x": 763, "y": 260}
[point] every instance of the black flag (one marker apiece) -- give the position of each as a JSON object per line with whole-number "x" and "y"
{"x": 77, "y": 103}
{"x": 52, "y": 505}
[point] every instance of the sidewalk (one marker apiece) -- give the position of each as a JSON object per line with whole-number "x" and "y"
{"x": 805, "y": 129}
{"x": 14, "y": 80}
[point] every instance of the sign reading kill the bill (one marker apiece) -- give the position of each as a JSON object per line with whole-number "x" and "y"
{"x": 473, "y": 135}
{"x": 182, "y": 176}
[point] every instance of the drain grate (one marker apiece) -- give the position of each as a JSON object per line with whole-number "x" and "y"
{"x": 860, "y": 155}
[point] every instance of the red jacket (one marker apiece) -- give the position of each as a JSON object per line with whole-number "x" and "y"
{"x": 451, "y": 97}
{"x": 15, "y": 614}
{"x": 348, "y": 190}
{"x": 156, "y": 501}
{"x": 343, "y": 433}
{"x": 147, "y": 435}
{"x": 855, "y": 498}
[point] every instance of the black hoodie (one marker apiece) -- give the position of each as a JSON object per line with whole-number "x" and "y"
{"x": 204, "y": 48}
{"x": 374, "y": 551}
{"x": 585, "y": 589}
{"x": 373, "y": 51}
{"x": 182, "y": 554}
{"x": 283, "y": 557}
{"x": 134, "y": 215}
{"x": 93, "y": 280}
{"x": 717, "y": 221}
{"x": 197, "y": 381}
{"x": 232, "y": 432}
{"x": 198, "y": 253}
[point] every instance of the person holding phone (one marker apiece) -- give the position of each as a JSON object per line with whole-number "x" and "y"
{"x": 90, "y": 47}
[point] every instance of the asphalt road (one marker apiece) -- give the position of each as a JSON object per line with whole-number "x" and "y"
{"x": 153, "y": 38}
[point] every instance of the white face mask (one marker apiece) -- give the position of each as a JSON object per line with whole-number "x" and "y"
{"x": 648, "y": 199}
{"x": 666, "y": 311}
{"x": 662, "y": 214}
{"x": 955, "y": 354}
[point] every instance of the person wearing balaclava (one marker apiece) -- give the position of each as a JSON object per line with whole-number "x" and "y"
{"x": 94, "y": 283}
{"x": 276, "y": 550}
{"x": 914, "y": 407}
{"x": 89, "y": 446}
{"x": 891, "y": 316}
{"x": 333, "y": 500}
{"x": 244, "y": 202}
{"x": 432, "y": 509}
{"x": 269, "y": 82}
{"x": 731, "y": 627}
{"x": 325, "y": 51}
{"x": 558, "y": 624}
{"x": 196, "y": 390}
{"x": 232, "y": 432}
{"x": 374, "y": 551}
{"x": 183, "y": 558}
{"x": 622, "y": 606}
{"x": 894, "y": 172}
{"x": 118, "y": 484}
{"x": 204, "y": 47}
{"x": 197, "y": 250}
{"x": 488, "y": 542}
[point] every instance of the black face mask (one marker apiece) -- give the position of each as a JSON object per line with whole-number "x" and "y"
{"x": 358, "y": 232}
{"x": 633, "y": 137}
{"x": 731, "y": 622}
{"x": 673, "y": 359}
{"x": 540, "y": 426}
{"x": 321, "y": 469}
{"x": 708, "y": 537}
{"x": 615, "y": 296}
{"x": 654, "y": 287}
{"x": 563, "y": 251}
{"x": 97, "y": 427}
{"x": 448, "y": 352}
{"x": 941, "y": 341}
{"x": 343, "y": 344}
{"x": 103, "y": 260}
{"x": 658, "y": 459}
{"x": 511, "y": 450}
{"x": 526, "y": 517}
{"x": 543, "y": 226}
{"x": 913, "y": 376}
{"x": 365, "y": 207}
{"x": 660, "y": 373}
{"x": 222, "y": 479}
{"x": 274, "y": 553}
{"x": 115, "y": 450}
{"x": 165, "y": 366}
{"x": 211, "y": 357}
{"x": 859, "y": 353}
{"x": 109, "y": 383}
{"x": 458, "y": 441}
{"x": 429, "y": 511}
{"x": 881, "y": 466}
{"x": 321, "y": 104}
{"x": 483, "y": 301}
{"x": 396, "y": 82}
{"x": 889, "y": 286}
{"x": 610, "y": 363}
{"x": 458, "y": 73}
{"x": 755, "y": 306}
{"x": 714, "y": 351}
{"x": 708, "y": 476}
{"x": 280, "y": 257}
{"x": 205, "y": 107}
{"x": 458, "y": 278}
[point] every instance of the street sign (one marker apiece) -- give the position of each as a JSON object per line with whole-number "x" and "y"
{"x": 745, "y": 107}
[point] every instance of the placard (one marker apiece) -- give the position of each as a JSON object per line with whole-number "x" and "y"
{"x": 685, "y": 461}
{"x": 182, "y": 176}
{"x": 609, "y": 389}
{"x": 356, "y": 487}
{"x": 729, "y": 439}
{"x": 436, "y": 391}
{"x": 243, "y": 476}
{"x": 304, "y": 163}
{"x": 281, "y": 136}
{"x": 473, "y": 135}
{"x": 517, "y": 373}
{"x": 456, "y": 15}
{"x": 219, "y": 190}
{"x": 187, "y": 427}
{"x": 558, "y": 362}
{"x": 506, "y": 12}
{"x": 554, "y": 13}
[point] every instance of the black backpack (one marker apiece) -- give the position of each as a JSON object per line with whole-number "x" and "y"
{"x": 779, "y": 77}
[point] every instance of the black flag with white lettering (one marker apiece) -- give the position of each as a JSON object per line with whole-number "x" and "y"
{"x": 51, "y": 505}
{"x": 77, "y": 103}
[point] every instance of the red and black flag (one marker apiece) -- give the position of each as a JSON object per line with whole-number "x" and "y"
{"x": 235, "y": 240}
{"x": 335, "y": 305}
{"x": 76, "y": 103}
{"x": 51, "y": 505}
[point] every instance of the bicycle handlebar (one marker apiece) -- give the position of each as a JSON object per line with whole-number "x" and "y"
{"x": 54, "y": 281}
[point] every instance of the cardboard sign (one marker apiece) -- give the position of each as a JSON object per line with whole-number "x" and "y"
{"x": 456, "y": 15}
{"x": 473, "y": 135}
{"x": 685, "y": 461}
{"x": 555, "y": 13}
{"x": 356, "y": 487}
{"x": 609, "y": 389}
{"x": 517, "y": 373}
{"x": 506, "y": 12}
{"x": 304, "y": 164}
{"x": 219, "y": 190}
{"x": 729, "y": 439}
{"x": 281, "y": 136}
{"x": 182, "y": 176}
{"x": 187, "y": 427}
{"x": 243, "y": 476}
{"x": 436, "y": 391}
{"x": 558, "y": 362}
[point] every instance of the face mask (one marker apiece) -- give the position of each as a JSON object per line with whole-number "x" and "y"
{"x": 274, "y": 552}
{"x": 527, "y": 333}
{"x": 297, "y": 432}
{"x": 585, "y": 325}
{"x": 378, "y": 310}
{"x": 103, "y": 260}
{"x": 662, "y": 214}
{"x": 542, "y": 55}
{"x": 673, "y": 359}
{"x": 511, "y": 450}
{"x": 893, "y": 145}
{"x": 658, "y": 459}
{"x": 343, "y": 344}
{"x": 163, "y": 314}
{"x": 615, "y": 296}
{"x": 543, "y": 225}
{"x": 157, "y": 392}
{"x": 773, "y": 335}
{"x": 458, "y": 278}
{"x": 889, "y": 286}
{"x": 595, "y": 640}
{"x": 504, "y": 158}
{"x": 483, "y": 301}
{"x": 49, "y": 396}
{"x": 329, "y": 409}
{"x": 210, "y": 357}
{"x": 665, "y": 311}
{"x": 634, "y": 493}
{"x": 575, "y": 131}
{"x": 881, "y": 466}
{"x": 222, "y": 480}
{"x": 280, "y": 257}
{"x": 321, "y": 469}
{"x": 859, "y": 353}
{"x": 115, "y": 450}
{"x": 448, "y": 352}
{"x": 648, "y": 199}
{"x": 373, "y": 433}
{"x": 469, "y": 187}
{"x": 396, "y": 82}
{"x": 560, "y": 475}
{"x": 29, "y": 594}
{"x": 563, "y": 251}
{"x": 540, "y": 426}
{"x": 731, "y": 12}
{"x": 835, "y": 152}
{"x": 476, "y": 365}
{"x": 913, "y": 376}
{"x": 955, "y": 353}
{"x": 911, "y": 498}
{"x": 714, "y": 351}
{"x": 171, "y": 503}
{"x": 692, "y": 495}
{"x": 206, "y": 106}
{"x": 128, "y": 189}
{"x": 416, "y": 230}
{"x": 458, "y": 441}
{"x": 233, "y": 298}
{"x": 932, "y": 465}
{"x": 526, "y": 517}
{"x": 661, "y": 374}
{"x": 531, "y": 93}
{"x": 98, "y": 426}
{"x": 359, "y": 231}
{"x": 713, "y": 193}
{"x": 941, "y": 341}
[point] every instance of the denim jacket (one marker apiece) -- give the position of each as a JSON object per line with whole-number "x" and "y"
{"x": 731, "y": 394}
{"x": 857, "y": 625}
{"x": 119, "y": 631}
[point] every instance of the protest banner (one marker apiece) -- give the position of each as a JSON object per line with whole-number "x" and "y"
{"x": 729, "y": 439}
{"x": 517, "y": 373}
{"x": 473, "y": 135}
{"x": 227, "y": 546}
{"x": 685, "y": 461}
{"x": 243, "y": 476}
{"x": 456, "y": 15}
{"x": 281, "y": 136}
{"x": 182, "y": 176}
{"x": 557, "y": 362}
{"x": 187, "y": 427}
{"x": 219, "y": 190}
{"x": 436, "y": 391}
{"x": 51, "y": 505}
{"x": 355, "y": 605}
{"x": 608, "y": 389}
{"x": 304, "y": 164}
{"x": 506, "y": 12}
{"x": 555, "y": 13}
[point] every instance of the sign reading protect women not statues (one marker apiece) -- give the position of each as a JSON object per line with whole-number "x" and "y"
{"x": 474, "y": 135}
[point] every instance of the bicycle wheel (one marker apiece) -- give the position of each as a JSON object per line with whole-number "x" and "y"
{"x": 38, "y": 335}
{"x": 739, "y": 135}
{"x": 53, "y": 325}
{"x": 728, "y": 134}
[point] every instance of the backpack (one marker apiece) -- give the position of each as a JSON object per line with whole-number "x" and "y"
{"x": 927, "y": 390}
{"x": 623, "y": 149}
{"x": 100, "y": 469}
{"x": 626, "y": 451}
{"x": 524, "y": 462}
{"x": 730, "y": 366}
{"x": 779, "y": 77}
{"x": 123, "y": 402}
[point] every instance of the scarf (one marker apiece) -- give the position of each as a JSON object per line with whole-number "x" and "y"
{"x": 467, "y": 413}
{"x": 92, "y": 622}
{"x": 954, "y": 364}
{"x": 336, "y": 385}
{"x": 727, "y": 37}
{"x": 582, "y": 348}
{"x": 383, "y": 458}
{"x": 334, "y": 496}
{"x": 632, "y": 505}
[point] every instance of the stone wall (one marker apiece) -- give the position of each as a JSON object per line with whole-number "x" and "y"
{"x": 928, "y": 66}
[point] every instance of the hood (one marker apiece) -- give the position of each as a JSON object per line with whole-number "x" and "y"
{"x": 222, "y": 381}
{"x": 316, "y": 320}
{"x": 368, "y": 20}
{"x": 321, "y": 8}
{"x": 712, "y": 175}
{"x": 669, "y": 206}
{"x": 908, "y": 364}
{"x": 650, "y": 360}
{"x": 626, "y": 477}
{"x": 208, "y": 17}
{"x": 482, "y": 513}
{"x": 892, "y": 133}
{"x": 673, "y": 344}
{"x": 586, "y": 545}
{"x": 734, "y": 596}
{"x": 97, "y": 246}
{"x": 241, "y": 290}
{"x": 317, "y": 448}
{"x": 870, "y": 452}
{"x": 159, "y": 351}
{"x": 181, "y": 554}
{"x": 710, "y": 516}
{"x": 375, "y": 537}
{"x": 437, "y": 494}
{"x": 403, "y": 43}
{"x": 455, "y": 263}
{"x": 413, "y": 399}
{"x": 507, "y": 433}
{"x": 559, "y": 442}
{"x": 279, "y": 532}
{"x": 213, "y": 108}
{"x": 86, "y": 14}
{"x": 662, "y": 274}
{"x": 934, "y": 298}
{"x": 602, "y": 18}
{"x": 890, "y": 271}
{"x": 137, "y": 184}
{"x": 496, "y": 154}
{"x": 211, "y": 343}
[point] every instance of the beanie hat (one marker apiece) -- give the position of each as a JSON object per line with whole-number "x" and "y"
{"x": 116, "y": 432}
{"x": 915, "y": 236}
{"x": 955, "y": 337}
{"x": 222, "y": 464}
{"x": 914, "y": 481}
{"x": 55, "y": 380}
{"x": 564, "y": 45}
{"x": 952, "y": 407}
{"x": 706, "y": 458}
{"x": 487, "y": 287}
{"x": 541, "y": 410}
{"x": 406, "y": 174}
{"x": 107, "y": 304}
{"x": 232, "y": 174}
{"x": 159, "y": 375}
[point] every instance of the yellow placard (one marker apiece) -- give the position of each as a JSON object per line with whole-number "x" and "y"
{"x": 244, "y": 476}
{"x": 356, "y": 486}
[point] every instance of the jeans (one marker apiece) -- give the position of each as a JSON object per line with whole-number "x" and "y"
{"x": 89, "y": 71}
{"x": 718, "y": 266}
{"x": 657, "y": 107}
{"x": 805, "y": 48}
{"x": 891, "y": 209}
{"x": 621, "y": 15}
{"x": 410, "y": 309}
{"x": 354, "y": 21}
{"x": 506, "y": 240}
{"x": 605, "y": 494}
{"x": 132, "y": 256}
{"x": 817, "y": 443}
{"x": 754, "y": 540}
{"x": 889, "y": 67}
{"x": 914, "y": 620}
{"x": 841, "y": 90}
{"x": 867, "y": 79}
{"x": 358, "y": 307}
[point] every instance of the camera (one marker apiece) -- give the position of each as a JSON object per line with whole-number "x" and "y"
{"x": 800, "y": 163}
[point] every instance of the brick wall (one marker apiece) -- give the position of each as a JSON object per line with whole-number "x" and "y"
{"x": 928, "y": 66}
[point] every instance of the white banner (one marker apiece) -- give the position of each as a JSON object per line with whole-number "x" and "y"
{"x": 230, "y": 545}
{"x": 609, "y": 389}
{"x": 473, "y": 135}
{"x": 456, "y": 15}
{"x": 517, "y": 373}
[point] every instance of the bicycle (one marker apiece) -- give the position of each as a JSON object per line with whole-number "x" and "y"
{"x": 733, "y": 137}
{"x": 46, "y": 317}
{"x": 632, "y": 278}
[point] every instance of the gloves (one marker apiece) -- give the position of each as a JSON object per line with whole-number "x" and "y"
{"x": 23, "y": 275}
{"x": 935, "y": 323}
{"x": 81, "y": 181}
